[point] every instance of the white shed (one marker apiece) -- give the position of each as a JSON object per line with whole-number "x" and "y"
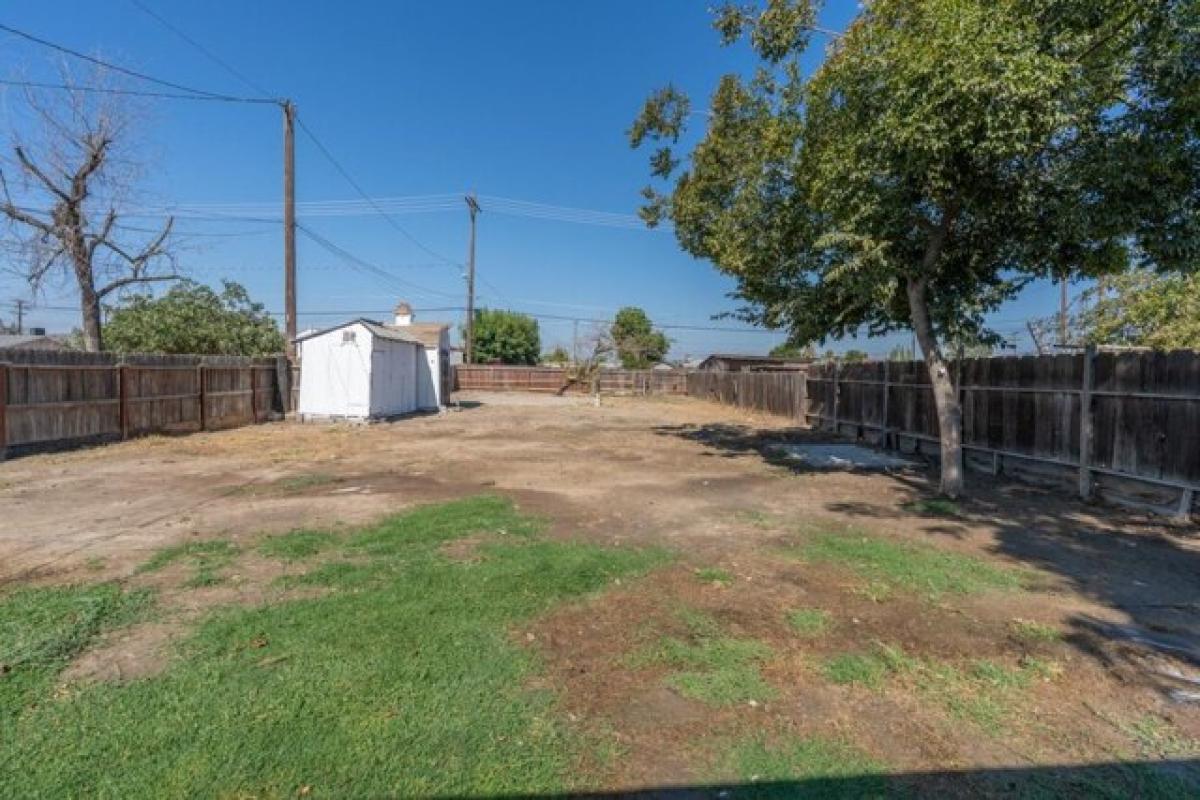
{"x": 435, "y": 385}
{"x": 361, "y": 370}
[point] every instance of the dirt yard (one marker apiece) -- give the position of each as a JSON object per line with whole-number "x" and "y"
{"x": 1012, "y": 636}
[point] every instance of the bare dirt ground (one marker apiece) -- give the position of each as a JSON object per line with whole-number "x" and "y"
{"x": 696, "y": 478}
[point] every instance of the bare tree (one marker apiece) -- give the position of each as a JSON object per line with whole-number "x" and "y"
{"x": 74, "y": 178}
{"x": 586, "y": 371}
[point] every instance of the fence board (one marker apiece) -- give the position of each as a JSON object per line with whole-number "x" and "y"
{"x": 1143, "y": 410}
{"x": 502, "y": 378}
{"x": 57, "y": 399}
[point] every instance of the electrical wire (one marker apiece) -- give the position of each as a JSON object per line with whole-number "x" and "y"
{"x": 366, "y": 266}
{"x": 349, "y": 179}
{"x": 525, "y": 208}
{"x": 201, "y": 48}
{"x": 131, "y": 92}
{"x": 132, "y": 73}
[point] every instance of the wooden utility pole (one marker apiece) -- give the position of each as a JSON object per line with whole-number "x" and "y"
{"x": 469, "y": 350}
{"x": 289, "y": 225}
{"x": 20, "y": 304}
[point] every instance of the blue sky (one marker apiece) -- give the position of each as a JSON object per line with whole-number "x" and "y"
{"x": 521, "y": 100}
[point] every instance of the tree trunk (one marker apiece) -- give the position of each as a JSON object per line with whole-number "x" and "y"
{"x": 89, "y": 304}
{"x": 945, "y": 393}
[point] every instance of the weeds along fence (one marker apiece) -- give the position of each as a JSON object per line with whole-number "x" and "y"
{"x": 53, "y": 400}
{"x": 494, "y": 378}
{"x": 1123, "y": 425}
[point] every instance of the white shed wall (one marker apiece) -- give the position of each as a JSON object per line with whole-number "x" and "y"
{"x": 395, "y": 377}
{"x": 335, "y": 375}
{"x": 428, "y": 389}
{"x": 437, "y": 359}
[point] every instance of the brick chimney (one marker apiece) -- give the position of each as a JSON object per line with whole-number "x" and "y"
{"x": 404, "y": 314}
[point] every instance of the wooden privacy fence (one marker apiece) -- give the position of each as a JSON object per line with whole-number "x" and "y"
{"x": 54, "y": 400}
{"x": 1125, "y": 425}
{"x": 493, "y": 378}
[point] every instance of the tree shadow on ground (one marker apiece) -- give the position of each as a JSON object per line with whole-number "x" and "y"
{"x": 1143, "y": 568}
{"x": 1158, "y": 779}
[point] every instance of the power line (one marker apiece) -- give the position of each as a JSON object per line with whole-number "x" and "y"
{"x": 201, "y": 48}
{"x": 132, "y": 73}
{"x": 414, "y": 204}
{"x": 526, "y": 208}
{"x": 349, "y": 179}
{"x": 364, "y": 265}
{"x": 132, "y": 92}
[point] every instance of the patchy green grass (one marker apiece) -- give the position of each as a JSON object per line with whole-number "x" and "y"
{"x": 714, "y": 575}
{"x": 206, "y": 558}
{"x": 297, "y": 545}
{"x": 723, "y": 686}
{"x": 809, "y": 622}
{"x": 875, "y": 591}
{"x": 983, "y": 691}
{"x": 409, "y": 684}
{"x": 1045, "y": 669}
{"x": 803, "y": 767}
{"x": 861, "y": 669}
{"x": 1029, "y": 631}
{"x": 713, "y": 668}
{"x": 1158, "y": 738}
{"x": 933, "y": 507}
{"x": 42, "y": 629}
{"x": 918, "y": 568}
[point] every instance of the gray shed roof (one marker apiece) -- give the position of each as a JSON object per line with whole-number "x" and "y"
{"x": 376, "y": 329}
{"x": 14, "y": 340}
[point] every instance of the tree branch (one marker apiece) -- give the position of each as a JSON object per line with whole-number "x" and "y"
{"x": 97, "y": 149}
{"x": 938, "y": 235}
{"x": 100, "y": 238}
{"x": 132, "y": 279}
{"x": 153, "y": 250}
{"x": 33, "y": 170}
{"x": 14, "y": 213}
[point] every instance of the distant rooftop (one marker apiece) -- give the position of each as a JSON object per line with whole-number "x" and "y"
{"x": 13, "y": 341}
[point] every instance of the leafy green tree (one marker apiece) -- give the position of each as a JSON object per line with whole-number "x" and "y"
{"x": 506, "y": 337}
{"x": 793, "y": 351}
{"x": 557, "y": 356}
{"x": 901, "y": 352}
{"x": 638, "y": 345}
{"x": 945, "y": 154}
{"x": 1143, "y": 309}
{"x": 854, "y": 357}
{"x": 193, "y": 318}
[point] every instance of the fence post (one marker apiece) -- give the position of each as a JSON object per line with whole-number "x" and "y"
{"x": 123, "y": 394}
{"x": 283, "y": 383}
{"x": 3, "y": 411}
{"x": 1085, "y": 422}
{"x": 837, "y": 395}
{"x": 804, "y": 398}
{"x": 201, "y": 396}
{"x": 884, "y": 434}
{"x": 253, "y": 394}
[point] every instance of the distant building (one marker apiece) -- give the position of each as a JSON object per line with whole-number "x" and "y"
{"x": 727, "y": 362}
{"x": 36, "y": 339}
